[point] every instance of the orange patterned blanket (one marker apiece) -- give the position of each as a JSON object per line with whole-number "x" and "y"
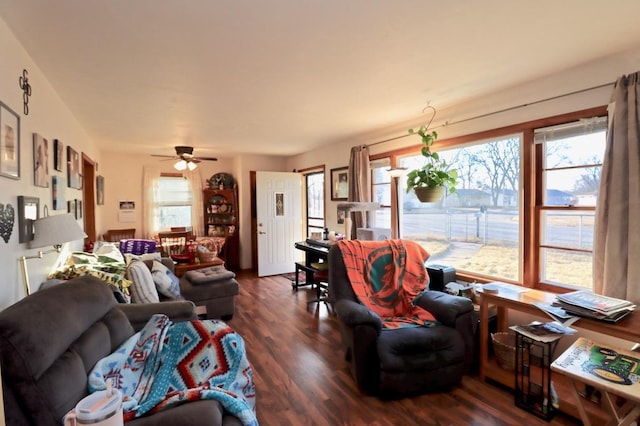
{"x": 387, "y": 276}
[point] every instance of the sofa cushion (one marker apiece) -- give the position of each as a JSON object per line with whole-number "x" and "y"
{"x": 209, "y": 275}
{"x": 166, "y": 281}
{"x": 143, "y": 288}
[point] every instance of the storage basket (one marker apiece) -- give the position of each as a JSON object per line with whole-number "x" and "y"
{"x": 206, "y": 256}
{"x": 504, "y": 346}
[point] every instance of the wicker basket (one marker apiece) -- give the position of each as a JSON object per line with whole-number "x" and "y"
{"x": 504, "y": 346}
{"x": 206, "y": 256}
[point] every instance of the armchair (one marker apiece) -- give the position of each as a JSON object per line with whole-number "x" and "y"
{"x": 407, "y": 360}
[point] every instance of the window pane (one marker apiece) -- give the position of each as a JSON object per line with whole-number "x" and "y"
{"x": 174, "y": 216}
{"x": 565, "y": 267}
{"x": 568, "y": 229}
{"x": 173, "y": 190}
{"x": 314, "y": 183}
{"x": 315, "y": 195}
{"x": 475, "y": 229}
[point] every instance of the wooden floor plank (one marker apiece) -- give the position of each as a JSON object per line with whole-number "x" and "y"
{"x": 302, "y": 378}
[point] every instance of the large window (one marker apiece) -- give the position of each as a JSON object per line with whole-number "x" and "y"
{"x": 475, "y": 229}
{"x": 173, "y": 203}
{"x": 570, "y": 158}
{"x": 525, "y": 202}
{"x": 314, "y": 184}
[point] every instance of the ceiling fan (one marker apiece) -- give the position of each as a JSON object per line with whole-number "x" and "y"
{"x": 185, "y": 157}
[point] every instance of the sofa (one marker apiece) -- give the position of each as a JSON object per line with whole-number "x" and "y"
{"x": 50, "y": 341}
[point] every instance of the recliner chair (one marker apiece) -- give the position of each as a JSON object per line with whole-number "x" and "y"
{"x": 393, "y": 363}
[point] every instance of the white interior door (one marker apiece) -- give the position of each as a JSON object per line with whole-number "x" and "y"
{"x": 279, "y": 219}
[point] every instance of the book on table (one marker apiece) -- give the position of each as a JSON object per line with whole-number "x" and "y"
{"x": 588, "y": 304}
{"x": 543, "y": 332}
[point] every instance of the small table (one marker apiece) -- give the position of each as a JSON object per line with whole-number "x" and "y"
{"x": 181, "y": 268}
{"x": 611, "y": 370}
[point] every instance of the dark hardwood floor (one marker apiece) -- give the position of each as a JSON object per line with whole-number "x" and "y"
{"x": 302, "y": 379}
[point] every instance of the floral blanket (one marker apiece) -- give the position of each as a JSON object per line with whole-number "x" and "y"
{"x": 387, "y": 277}
{"x": 166, "y": 364}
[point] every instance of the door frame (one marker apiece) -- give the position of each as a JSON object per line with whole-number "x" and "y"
{"x": 89, "y": 168}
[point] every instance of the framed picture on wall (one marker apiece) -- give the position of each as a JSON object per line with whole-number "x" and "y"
{"x": 73, "y": 168}
{"x": 40, "y": 161}
{"x": 9, "y": 143}
{"x": 57, "y": 191}
{"x": 58, "y": 155}
{"x": 99, "y": 190}
{"x": 340, "y": 184}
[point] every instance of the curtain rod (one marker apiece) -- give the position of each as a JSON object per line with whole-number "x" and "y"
{"x": 447, "y": 123}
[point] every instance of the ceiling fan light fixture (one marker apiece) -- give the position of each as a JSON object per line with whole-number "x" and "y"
{"x": 180, "y": 165}
{"x": 191, "y": 165}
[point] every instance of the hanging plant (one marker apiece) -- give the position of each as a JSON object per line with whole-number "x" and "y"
{"x": 436, "y": 173}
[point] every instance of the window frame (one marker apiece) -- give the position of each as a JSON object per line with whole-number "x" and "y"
{"x": 531, "y": 178}
{"x": 158, "y": 204}
{"x": 305, "y": 175}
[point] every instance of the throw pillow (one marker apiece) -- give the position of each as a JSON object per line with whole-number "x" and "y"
{"x": 143, "y": 289}
{"x": 167, "y": 283}
{"x": 128, "y": 257}
{"x": 109, "y": 250}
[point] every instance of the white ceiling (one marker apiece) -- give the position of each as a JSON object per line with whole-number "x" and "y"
{"x": 285, "y": 76}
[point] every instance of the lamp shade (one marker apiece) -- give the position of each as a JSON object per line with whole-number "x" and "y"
{"x": 55, "y": 230}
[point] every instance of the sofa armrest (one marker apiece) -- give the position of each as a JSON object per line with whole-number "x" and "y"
{"x": 177, "y": 311}
{"x": 445, "y": 307}
{"x": 353, "y": 314}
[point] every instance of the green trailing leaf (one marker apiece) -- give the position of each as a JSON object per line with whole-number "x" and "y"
{"x": 435, "y": 172}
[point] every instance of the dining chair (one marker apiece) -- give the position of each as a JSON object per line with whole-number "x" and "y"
{"x": 115, "y": 235}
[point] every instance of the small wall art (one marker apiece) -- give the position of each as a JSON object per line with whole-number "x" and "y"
{"x": 340, "y": 184}
{"x": 99, "y": 190}
{"x": 7, "y": 219}
{"x": 40, "y": 161}
{"x": 28, "y": 211}
{"x": 73, "y": 168}
{"x": 9, "y": 143}
{"x": 57, "y": 192}
{"x": 58, "y": 155}
{"x": 71, "y": 208}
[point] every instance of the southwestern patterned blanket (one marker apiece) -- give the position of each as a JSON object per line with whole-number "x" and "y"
{"x": 388, "y": 277}
{"x": 167, "y": 364}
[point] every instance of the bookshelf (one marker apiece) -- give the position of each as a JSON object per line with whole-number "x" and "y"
{"x": 221, "y": 220}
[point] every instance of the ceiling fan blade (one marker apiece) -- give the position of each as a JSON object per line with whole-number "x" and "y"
{"x": 164, "y": 156}
{"x": 207, "y": 158}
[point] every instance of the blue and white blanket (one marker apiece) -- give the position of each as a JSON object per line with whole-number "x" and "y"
{"x": 166, "y": 364}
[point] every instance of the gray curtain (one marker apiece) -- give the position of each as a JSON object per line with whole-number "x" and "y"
{"x": 616, "y": 252}
{"x": 359, "y": 184}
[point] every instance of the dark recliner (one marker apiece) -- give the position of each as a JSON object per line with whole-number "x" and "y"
{"x": 50, "y": 341}
{"x": 405, "y": 361}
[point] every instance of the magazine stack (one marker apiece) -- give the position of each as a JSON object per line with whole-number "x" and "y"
{"x": 587, "y": 304}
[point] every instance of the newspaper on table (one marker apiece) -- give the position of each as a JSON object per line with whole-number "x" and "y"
{"x": 543, "y": 332}
{"x": 591, "y": 305}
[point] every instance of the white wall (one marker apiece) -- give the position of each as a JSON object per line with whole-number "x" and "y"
{"x": 569, "y": 81}
{"x": 49, "y": 117}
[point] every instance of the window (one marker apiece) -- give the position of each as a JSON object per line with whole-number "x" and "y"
{"x": 570, "y": 158}
{"x": 524, "y": 207}
{"x": 476, "y": 228}
{"x": 314, "y": 184}
{"x": 381, "y": 192}
{"x": 173, "y": 202}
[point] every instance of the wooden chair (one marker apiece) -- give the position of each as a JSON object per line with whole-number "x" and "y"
{"x": 115, "y": 235}
{"x": 172, "y": 243}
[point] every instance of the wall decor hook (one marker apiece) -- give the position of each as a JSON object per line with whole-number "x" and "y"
{"x": 26, "y": 90}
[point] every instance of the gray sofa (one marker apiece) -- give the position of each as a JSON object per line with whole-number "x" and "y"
{"x": 50, "y": 341}
{"x": 217, "y": 297}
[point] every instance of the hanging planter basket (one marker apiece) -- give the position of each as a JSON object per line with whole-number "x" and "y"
{"x": 429, "y": 195}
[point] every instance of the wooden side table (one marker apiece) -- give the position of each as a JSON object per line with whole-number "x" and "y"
{"x": 181, "y": 268}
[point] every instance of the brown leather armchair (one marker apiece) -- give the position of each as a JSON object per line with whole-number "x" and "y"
{"x": 397, "y": 362}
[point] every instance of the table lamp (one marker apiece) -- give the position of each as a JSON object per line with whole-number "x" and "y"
{"x": 50, "y": 231}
